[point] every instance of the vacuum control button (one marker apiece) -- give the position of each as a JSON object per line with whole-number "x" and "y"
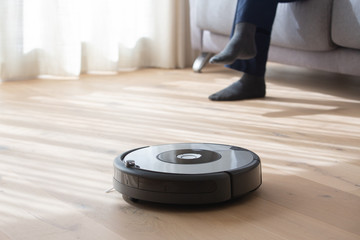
{"x": 130, "y": 163}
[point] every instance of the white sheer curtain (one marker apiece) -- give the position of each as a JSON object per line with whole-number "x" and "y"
{"x": 68, "y": 37}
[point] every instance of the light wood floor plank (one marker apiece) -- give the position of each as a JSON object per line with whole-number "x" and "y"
{"x": 58, "y": 140}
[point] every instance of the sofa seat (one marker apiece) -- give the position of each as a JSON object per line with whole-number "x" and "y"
{"x": 323, "y": 35}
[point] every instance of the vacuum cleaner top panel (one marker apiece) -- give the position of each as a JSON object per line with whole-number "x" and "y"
{"x": 190, "y": 158}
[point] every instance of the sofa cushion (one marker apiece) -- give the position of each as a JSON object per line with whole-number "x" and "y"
{"x": 304, "y": 25}
{"x": 346, "y": 23}
{"x": 216, "y": 16}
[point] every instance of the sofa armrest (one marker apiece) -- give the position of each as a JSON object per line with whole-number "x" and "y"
{"x": 346, "y": 23}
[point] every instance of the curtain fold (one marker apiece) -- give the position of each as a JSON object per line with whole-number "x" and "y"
{"x": 68, "y": 37}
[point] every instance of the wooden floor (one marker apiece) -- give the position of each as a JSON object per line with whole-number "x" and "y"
{"x": 58, "y": 140}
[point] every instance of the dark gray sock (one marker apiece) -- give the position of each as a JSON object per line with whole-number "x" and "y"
{"x": 249, "y": 86}
{"x": 241, "y": 45}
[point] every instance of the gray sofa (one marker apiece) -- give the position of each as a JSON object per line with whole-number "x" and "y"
{"x": 317, "y": 34}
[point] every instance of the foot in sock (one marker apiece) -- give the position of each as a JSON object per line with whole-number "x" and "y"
{"x": 241, "y": 45}
{"x": 249, "y": 86}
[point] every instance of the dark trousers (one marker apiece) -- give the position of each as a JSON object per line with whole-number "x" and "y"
{"x": 261, "y": 13}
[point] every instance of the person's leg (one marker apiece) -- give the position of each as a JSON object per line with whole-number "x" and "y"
{"x": 250, "y": 15}
{"x": 260, "y": 13}
{"x": 252, "y": 83}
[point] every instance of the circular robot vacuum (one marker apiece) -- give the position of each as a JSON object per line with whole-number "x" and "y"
{"x": 187, "y": 173}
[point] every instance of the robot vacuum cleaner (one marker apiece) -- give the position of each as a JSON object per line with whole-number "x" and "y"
{"x": 187, "y": 173}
